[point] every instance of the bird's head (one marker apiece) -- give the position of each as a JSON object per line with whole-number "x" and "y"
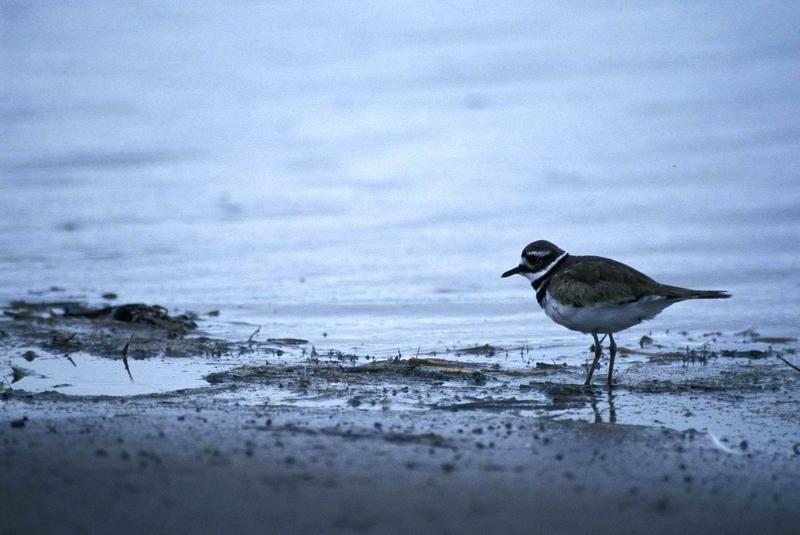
{"x": 536, "y": 258}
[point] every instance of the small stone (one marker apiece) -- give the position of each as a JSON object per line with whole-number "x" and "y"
{"x": 19, "y": 423}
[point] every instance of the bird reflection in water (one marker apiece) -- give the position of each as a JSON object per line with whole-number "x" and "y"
{"x": 594, "y": 400}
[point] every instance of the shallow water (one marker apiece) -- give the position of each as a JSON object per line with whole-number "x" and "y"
{"x": 361, "y": 177}
{"x": 87, "y": 375}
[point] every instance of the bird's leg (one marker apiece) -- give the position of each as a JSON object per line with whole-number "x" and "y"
{"x": 598, "y": 350}
{"x": 612, "y": 352}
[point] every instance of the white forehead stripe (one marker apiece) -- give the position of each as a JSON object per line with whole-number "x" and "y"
{"x": 540, "y": 254}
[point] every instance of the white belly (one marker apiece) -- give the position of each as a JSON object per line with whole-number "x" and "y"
{"x": 604, "y": 318}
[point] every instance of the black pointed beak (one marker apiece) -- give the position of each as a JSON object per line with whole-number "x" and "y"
{"x": 515, "y": 271}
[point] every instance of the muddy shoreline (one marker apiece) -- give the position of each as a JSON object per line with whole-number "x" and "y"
{"x": 281, "y": 437}
{"x": 158, "y": 465}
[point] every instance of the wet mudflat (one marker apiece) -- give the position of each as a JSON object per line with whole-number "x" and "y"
{"x": 162, "y": 465}
{"x": 274, "y": 436}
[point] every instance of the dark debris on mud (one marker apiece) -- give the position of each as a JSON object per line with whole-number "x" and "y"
{"x": 131, "y": 330}
{"x": 154, "y": 316}
{"x": 422, "y": 369}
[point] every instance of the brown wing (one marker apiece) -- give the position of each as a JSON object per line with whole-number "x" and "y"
{"x": 592, "y": 279}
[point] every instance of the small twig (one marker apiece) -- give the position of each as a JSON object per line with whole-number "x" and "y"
{"x": 125, "y": 357}
{"x": 68, "y": 338}
{"x": 788, "y": 363}
{"x": 65, "y": 342}
{"x": 250, "y": 340}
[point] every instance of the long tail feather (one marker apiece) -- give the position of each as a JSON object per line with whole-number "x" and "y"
{"x": 709, "y": 294}
{"x": 686, "y": 293}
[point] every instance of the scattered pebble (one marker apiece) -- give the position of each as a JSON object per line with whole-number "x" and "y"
{"x": 19, "y": 423}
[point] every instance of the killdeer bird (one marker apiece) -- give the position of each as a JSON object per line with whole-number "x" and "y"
{"x": 596, "y": 295}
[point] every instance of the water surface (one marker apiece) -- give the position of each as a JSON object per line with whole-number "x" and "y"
{"x": 361, "y": 177}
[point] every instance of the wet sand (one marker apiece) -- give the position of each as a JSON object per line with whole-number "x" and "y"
{"x": 184, "y": 464}
{"x": 345, "y": 443}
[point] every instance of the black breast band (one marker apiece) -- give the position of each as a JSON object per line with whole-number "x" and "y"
{"x": 541, "y": 284}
